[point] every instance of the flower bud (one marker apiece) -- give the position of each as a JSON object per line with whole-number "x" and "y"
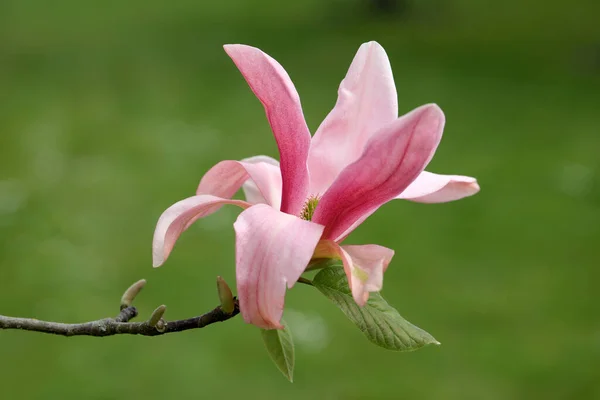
{"x": 157, "y": 315}
{"x": 225, "y": 296}
{"x": 131, "y": 292}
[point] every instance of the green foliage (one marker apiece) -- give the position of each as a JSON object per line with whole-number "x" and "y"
{"x": 280, "y": 345}
{"x": 380, "y": 322}
{"x": 321, "y": 263}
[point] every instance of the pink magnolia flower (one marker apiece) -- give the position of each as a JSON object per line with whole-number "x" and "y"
{"x": 304, "y": 206}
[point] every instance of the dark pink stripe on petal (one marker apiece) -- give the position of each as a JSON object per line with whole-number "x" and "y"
{"x": 275, "y": 90}
{"x": 392, "y": 159}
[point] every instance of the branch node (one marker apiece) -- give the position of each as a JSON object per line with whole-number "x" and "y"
{"x": 121, "y": 323}
{"x": 127, "y": 314}
{"x": 161, "y": 326}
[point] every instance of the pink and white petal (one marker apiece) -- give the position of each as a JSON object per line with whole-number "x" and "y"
{"x": 369, "y": 262}
{"x": 428, "y": 188}
{"x": 392, "y": 160}
{"x": 251, "y": 190}
{"x": 261, "y": 158}
{"x": 226, "y": 178}
{"x": 275, "y": 90}
{"x": 252, "y": 194}
{"x": 435, "y": 188}
{"x": 364, "y": 266}
{"x": 272, "y": 251}
{"x": 179, "y": 217}
{"x": 367, "y": 101}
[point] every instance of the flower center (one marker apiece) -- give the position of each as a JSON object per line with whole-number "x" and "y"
{"x": 309, "y": 207}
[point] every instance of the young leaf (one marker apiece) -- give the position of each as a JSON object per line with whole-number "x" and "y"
{"x": 322, "y": 263}
{"x": 380, "y": 322}
{"x": 280, "y": 346}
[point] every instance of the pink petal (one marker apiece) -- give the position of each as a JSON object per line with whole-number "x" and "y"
{"x": 253, "y": 193}
{"x": 367, "y": 102}
{"x": 179, "y": 217}
{"x": 266, "y": 159}
{"x": 392, "y": 159}
{"x": 272, "y": 251}
{"x": 429, "y": 188}
{"x": 364, "y": 266}
{"x": 369, "y": 262}
{"x": 226, "y": 178}
{"x": 434, "y": 188}
{"x": 275, "y": 90}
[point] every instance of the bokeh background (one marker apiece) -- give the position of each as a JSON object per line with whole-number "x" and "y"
{"x": 110, "y": 111}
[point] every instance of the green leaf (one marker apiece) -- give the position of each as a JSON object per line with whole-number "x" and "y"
{"x": 321, "y": 263}
{"x": 380, "y": 322}
{"x": 280, "y": 345}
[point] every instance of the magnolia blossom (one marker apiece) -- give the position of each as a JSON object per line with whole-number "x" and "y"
{"x": 302, "y": 207}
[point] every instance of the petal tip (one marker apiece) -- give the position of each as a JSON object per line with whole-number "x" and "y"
{"x": 232, "y": 49}
{"x": 159, "y": 256}
{"x": 434, "y": 109}
{"x": 157, "y": 260}
{"x": 372, "y": 43}
{"x": 277, "y": 326}
{"x": 361, "y": 298}
{"x": 272, "y": 324}
{"x": 229, "y": 48}
{"x": 433, "y": 114}
{"x": 471, "y": 188}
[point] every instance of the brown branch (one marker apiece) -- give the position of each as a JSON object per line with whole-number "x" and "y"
{"x": 120, "y": 325}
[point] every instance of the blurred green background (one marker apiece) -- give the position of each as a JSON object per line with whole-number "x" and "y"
{"x": 110, "y": 111}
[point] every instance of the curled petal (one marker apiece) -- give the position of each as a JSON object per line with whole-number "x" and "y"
{"x": 179, "y": 217}
{"x": 272, "y": 251}
{"x": 369, "y": 262}
{"x": 275, "y": 90}
{"x": 434, "y": 188}
{"x": 226, "y": 178}
{"x": 364, "y": 266}
{"x": 367, "y": 101}
{"x": 265, "y": 159}
{"x": 251, "y": 190}
{"x": 429, "y": 188}
{"x": 392, "y": 159}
